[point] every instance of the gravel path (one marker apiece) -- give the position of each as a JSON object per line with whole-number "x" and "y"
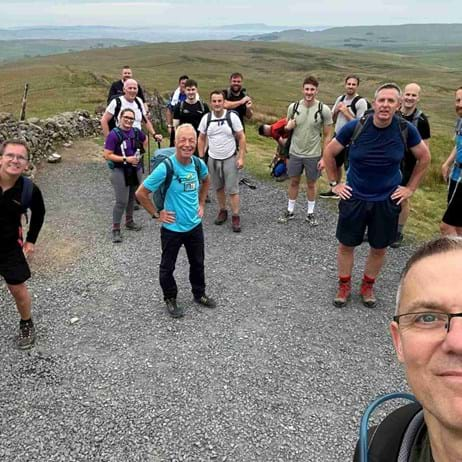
{"x": 275, "y": 373}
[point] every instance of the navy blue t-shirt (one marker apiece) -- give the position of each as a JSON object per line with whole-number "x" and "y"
{"x": 375, "y": 158}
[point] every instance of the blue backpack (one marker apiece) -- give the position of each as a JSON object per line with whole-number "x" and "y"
{"x": 159, "y": 195}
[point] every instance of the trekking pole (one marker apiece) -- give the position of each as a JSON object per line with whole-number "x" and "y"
{"x": 149, "y": 154}
{"x": 363, "y": 443}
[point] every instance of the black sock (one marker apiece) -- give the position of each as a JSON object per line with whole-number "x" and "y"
{"x": 22, "y": 322}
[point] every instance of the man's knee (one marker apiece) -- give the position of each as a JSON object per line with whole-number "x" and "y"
{"x": 18, "y": 291}
{"x": 377, "y": 253}
{"x": 294, "y": 181}
{"x": 345, "y": 250}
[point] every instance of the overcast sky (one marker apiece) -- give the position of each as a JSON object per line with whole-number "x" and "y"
{"x": 16, "y": 13}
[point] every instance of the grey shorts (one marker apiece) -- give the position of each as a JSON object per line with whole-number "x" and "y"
{"x": 225, "y": 174}
{"x": 297, "y": 164}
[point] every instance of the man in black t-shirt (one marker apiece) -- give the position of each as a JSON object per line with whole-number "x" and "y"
{"x": 237, "y": 99}
{"x": 117, "y": 87}
{"x": 192, "y": 109}
{"x": 17, "y": 194}
{"x": 409, "y": 110}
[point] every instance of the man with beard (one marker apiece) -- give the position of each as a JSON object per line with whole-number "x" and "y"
{"x": 117, "y": 87}
{"x": 236, "y": 98}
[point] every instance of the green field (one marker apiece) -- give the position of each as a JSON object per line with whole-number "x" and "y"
{"x": 273, "y": 74}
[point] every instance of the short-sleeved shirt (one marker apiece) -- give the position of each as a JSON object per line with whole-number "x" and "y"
{"x": 423, "y": 127}
{"x": 307, "y": 135}
{"x": 278, "y": 129}
{"x": 133, "y": 105}
{"x": 456, "y": 171}
{"x": 113, "y": 144}
{"x": 182, "y": 196}
{"x": 190, "y": 113}
{"x": 375, "y": 158}
{"x": 360, "y": 106}
{"x": 241, "y": 109}
{"x": 222, "y": 143}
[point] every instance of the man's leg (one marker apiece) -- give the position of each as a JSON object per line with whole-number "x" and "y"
{"x": 345, "y": 260}
{"x": 171, "y": 243}
{"x": 194, "y": 245}
{"x": 374, "y": 262}
{"x": 234, "y": 200}
{"x": 22, "y": 299}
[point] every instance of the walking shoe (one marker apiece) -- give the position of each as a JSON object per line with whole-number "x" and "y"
{"x": 132, "y": 226}
{"x": 26, "y": 336}
{"x": 286, "y": 217}
{"x": 343, "y": 294}
{"x": 221, "y": 217}
{"x": 282, "y": 178}
{"x": 236, "y": 223}
{"x": 173, "y": 309}
{"x": 398, "y": 241}
{"x": 116, "y": 236}
{"x": 136, "y": 207}
{"x": 329, "y": 195}
{"x": 367, "y": 294}
{"x": 207, "y": 301}
{"x": 311, "y": 219}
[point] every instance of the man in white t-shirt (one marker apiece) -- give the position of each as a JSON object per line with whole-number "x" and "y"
{"x": 220, "y": 129}
{"x": 128, "y": 101}
{"x": 347, "y": 107}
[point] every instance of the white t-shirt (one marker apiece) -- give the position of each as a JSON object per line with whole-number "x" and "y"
{"x": 222, "y": 143}
{"x": 361, "y": 108}
{"x": 128, "y": 105}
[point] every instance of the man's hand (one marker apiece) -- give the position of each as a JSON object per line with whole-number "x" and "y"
{"x": 239, "y": 162}
{"x": 167, "y": 217}
{"x": 291, "y": 124}
{"x": 342, "y": 190}
{"x": 445, "y": 171}
{"x": 401, "y": 193}
{"x": 321, "y": 165}
{"x": 158, "y": 137}
{"x": 246, "y": 100}
{"x": 28, "y": 249}
{"x": 132, "y": 160}
{"x": 200, "y": 212}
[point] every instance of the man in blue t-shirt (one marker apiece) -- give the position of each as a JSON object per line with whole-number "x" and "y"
{"x": 452, "y": 172}
{"x": 372, "y": 195}
{"x": 181, "y": 217}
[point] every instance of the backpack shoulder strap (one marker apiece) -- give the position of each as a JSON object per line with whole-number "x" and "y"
{"x": 197, "y": 165}
{"x": 202, "y": 105}
{"x": 229, "y": 121}
{"x": 118, "y": 106}
{"x": 26, "y": 194}
{"x": 417, "y": 115}
{"x": 168, "y": 178}
{"x": 354, "y": 102}
{"x": 209, "y": 119}
{"x": 403, "y": 130}
{"x": 139, "y": 103}
{"x": 295, "y": 108}
{"x": 359, "y": 127}
{"x": 319, "y": 111}
{"x": 391, "y": 437}
{"x": 181, "y": 109}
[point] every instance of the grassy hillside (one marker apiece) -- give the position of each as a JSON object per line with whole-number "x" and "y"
{"x": 17, "y": 49}
{"x": 273, "y": 75}
{"x": 406, "y": 38}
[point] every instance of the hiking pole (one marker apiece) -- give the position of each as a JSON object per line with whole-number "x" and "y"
{"x": 149, "y": 154}
{"x": 363, "y": 443}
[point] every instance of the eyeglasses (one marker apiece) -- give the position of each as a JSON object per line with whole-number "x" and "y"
{"x": 18, "y": 157}
{"x": 131, "y": 119}
{"x": 426, "y": 321}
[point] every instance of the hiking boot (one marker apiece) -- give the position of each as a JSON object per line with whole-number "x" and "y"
{"x": 311, "y": 219}
{"x": 329, "y": 195}
{"x": 221, "y": 217}
{"x": 343, "y": 294}
{"x": 398, "y": 241}
{"x": 286, "y": 217}
{"x": 236, "y": 223}
{"x": 367, "y": 294}
{"x": 132, "y": 226}
{"x": 26, "y": 336}
{"x": 116, "y": 236}
{"x": 173, "y": 309}
{"x": 136, "y": 207}
{"x": 282, "y": 178}
{"x": 207, "y": 301}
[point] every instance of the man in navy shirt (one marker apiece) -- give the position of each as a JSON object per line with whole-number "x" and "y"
{"x": 372, "y": 194}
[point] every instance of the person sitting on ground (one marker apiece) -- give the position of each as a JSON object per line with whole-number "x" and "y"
{"x": 14, "y": 251}
{"x": 122, "y": 150}
{"x": 427, "y": 336}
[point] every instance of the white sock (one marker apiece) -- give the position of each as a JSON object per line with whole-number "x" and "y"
{"x": 311, "y": 205}
{"x": 291, "y": 206}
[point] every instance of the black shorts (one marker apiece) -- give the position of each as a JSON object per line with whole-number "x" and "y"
{"x": 453, "y": 214}
{"x": 342, "y": 157}
{"x": 14, "y": 268}
{"x": 380, "y": 218}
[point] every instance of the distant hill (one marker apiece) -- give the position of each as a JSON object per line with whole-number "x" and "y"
{"x": 17, "y": 49}
{"x": 404, "y": 38}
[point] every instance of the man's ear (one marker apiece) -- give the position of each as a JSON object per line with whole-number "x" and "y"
{"x": 396, "y": 337}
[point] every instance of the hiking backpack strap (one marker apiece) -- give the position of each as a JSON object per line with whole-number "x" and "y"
{"x": 181, "y": 108}
{"x": 118, "y": 106}
{"x": 403, "y": 130}
{"x": 415, "y": 119}
{"x": 353, "y": 104}
{"x": 229, "y": 121}
{"x": 319, "y": 111}
{"x": 359, "y": 127}
{"x": 197, "y": 165}
{"x": 202, "y": 105}
{"x": 140, "y": 107}
{"x": 209, "y": 119}
{"x": 26, "y": 194}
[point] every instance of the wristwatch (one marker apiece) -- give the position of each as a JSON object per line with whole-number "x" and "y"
{"x": 333, "y": 184}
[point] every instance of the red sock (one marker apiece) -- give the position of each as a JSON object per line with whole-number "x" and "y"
{"x": 368, "y": 280}
{"x": 344, "y": 279}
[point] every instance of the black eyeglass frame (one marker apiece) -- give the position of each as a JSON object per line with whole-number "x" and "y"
{"x": 448, "y": 315}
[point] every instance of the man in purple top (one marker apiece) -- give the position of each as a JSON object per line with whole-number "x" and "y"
{"x": 372, "y": 194}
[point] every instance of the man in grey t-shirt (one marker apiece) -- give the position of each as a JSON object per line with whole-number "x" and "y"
{"x": 347, "y": 107}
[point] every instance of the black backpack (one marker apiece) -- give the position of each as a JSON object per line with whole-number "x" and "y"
{"x": 112, "y": 123}
{"x": 354, "y": 101}
{"x": 392, "y": 440}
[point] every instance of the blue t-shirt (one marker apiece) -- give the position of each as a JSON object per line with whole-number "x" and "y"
{"x": 456, "y": 171}
{"x": 113, "y": 144}
{"x": 183, "y": 194}
{"x": 375, "y": 158}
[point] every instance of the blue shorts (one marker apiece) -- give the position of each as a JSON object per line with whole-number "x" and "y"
{"x": 380, "y": 218}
